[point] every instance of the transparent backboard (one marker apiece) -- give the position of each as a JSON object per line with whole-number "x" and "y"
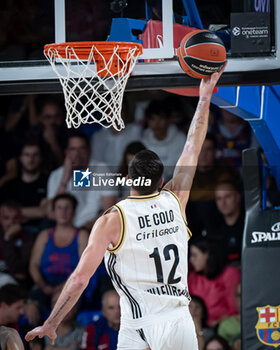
{"x": 25, "y": 30}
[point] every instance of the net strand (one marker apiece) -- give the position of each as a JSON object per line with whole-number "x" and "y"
{"x": 89, "y": 97}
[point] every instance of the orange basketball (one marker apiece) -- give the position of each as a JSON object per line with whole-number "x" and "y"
{"x": 201, "y": 53}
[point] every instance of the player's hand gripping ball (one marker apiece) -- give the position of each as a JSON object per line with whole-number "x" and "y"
{"x": 201, "y": 53}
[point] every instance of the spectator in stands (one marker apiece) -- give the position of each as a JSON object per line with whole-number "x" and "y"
{"x": 17, "y": 243}
{"x": 103, "y": 333}
{"x": 108, "y": 144}
{"x": 30, "y": 187}
{"x": 226, "y": 221}
{"x": 217, "y": 343}
{"x": 230, "y": 328}
{"x": 10, "y": 339}
{"x": 162, "y": 137}
{"x": 129, "y": 152}
{"x": 213, "y": 280}
{"x": 56, "y": 251}
{"x": 19, "y": 118}
{"x": 233, "y": 135}
{"x": 179, "y": 111}
{"x": 50, "y": 131}
{"x": 90, "y": 203}
{"x": 8, "y": 169}
{"x": 199, "y": 314}
{"x": 11, "y": 305}
{"x": 14, "y": 312}
{"x": 229, "y": 226}
{"x": 69, "y": 332}
{"x": 209, "y": 173}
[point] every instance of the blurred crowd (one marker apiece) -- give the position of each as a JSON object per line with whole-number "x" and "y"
{"x": 45, "y": 223}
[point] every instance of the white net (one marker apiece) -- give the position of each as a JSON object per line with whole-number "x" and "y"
{"x": 93, "y": 95}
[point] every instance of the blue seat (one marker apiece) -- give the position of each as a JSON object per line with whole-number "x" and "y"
{"x": 122, "y": 29}
{"x": 88, "y": 316}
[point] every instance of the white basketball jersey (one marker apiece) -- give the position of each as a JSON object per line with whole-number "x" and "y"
{"x": 148, "y": 266}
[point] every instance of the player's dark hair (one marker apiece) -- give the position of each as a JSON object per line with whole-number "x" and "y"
{"x": 217, "y": 258}
{"x": 66, "y": 196}
{"x": 146, "y": 164}
{"x": 201, "y": 302}
{"x": 219, "y": 339}
{"x": 11, "y": 293}
{"x": 78, "y": 133}
{"x": 157, "y": 107}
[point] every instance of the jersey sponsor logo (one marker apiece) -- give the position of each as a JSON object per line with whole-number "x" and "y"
{"x": 274, "y": 235}
{"x": 156, "y": 233}
{"x": 163, "y": 217}
{"x": 268, "y": 325}
{"x": 167, "y": 289}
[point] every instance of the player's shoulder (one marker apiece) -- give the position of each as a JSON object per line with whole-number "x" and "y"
{"x": 174, "y": 187}
{"x": 110, "y": 216}
{"x": 167, "y": 192}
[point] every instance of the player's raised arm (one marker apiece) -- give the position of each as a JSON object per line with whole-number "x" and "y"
{"x": 187, "y": 163}
{"x": 105, "y": 231}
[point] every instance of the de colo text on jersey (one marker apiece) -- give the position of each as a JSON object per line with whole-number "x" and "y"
{"x": 161, "y": 218}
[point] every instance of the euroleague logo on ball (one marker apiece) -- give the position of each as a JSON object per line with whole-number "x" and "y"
{"x": 214, "y": 52}
{"x": 236, "y": 31}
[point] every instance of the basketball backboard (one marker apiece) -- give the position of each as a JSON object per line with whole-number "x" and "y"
{"x": 23, "y": 68}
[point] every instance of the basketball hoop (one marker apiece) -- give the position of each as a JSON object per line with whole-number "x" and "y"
{"x": 93, "y": 76}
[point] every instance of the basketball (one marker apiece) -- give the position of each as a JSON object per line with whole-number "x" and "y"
{"x": 201, "y": 53}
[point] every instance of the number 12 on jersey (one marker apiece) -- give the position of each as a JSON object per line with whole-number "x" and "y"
{"x": 166, "y": 254}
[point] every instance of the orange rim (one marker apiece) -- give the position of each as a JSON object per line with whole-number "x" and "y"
{"x": 83, "y": 48}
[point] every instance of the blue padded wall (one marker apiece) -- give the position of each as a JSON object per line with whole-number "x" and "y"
{"x": 265, "y": 121}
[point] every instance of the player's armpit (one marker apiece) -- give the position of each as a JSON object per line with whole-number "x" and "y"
{"x": 180, "y": 185}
